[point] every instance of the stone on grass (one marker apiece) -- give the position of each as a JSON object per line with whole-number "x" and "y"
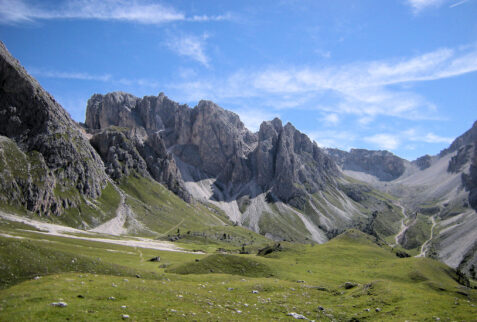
{"x": 155, "y": 259}
{"x": 125, "y": 316}
{"x": 254, "y": 292}
{"x": 348, "y": 285}
{"x": 297, "y": 316}
{"x": 59, "y": 304}
{"x": 378, "y": 309}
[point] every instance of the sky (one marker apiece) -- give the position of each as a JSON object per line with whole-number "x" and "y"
{"x": 397, "y": 75}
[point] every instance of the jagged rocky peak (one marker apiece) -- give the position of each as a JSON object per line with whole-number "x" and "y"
{"x": 382, "y": 164}
{"x": 207, "y": 136}
{"x": 290, "y": 164}
{"x": 42, "y": 135}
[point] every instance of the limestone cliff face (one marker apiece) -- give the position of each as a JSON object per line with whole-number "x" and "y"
{"x": 40, "y": 135}
{"x": 207, "y": 137}
{"x": 279, "y": 158}
{"x": 381, "y": 164}
{"x": 290, "y": 164}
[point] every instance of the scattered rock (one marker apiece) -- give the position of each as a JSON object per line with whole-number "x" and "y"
{"x": 123, "y": 306}
{"x": 367, "y": 310}
{"x": 114, "y": 285}
{"x": 349, "y": 285}
{"x": 59, "y": 304}
{"x": 321, "y": 308}
{"x": 254, "y": 292}
{"x": 173, "y": 311}
{"x": 300, "y": 281}
{"x": 126, "y": 280}
{"x": 112, "y": 298}
{"x": 36, "y": 277}
{"x": 230, "y": 289}
{"x": 269, "y": 249}
{"x": 80, "y": 296}
{"x": 125, "y": 316}
{"x": 378, "y": 309}
{"x": 155, "y": 259}
{"x": 197, "y": 260}
{"x": 138, "y": 276}
{"x": 320, "y": 288}
{"x": 238, "y": 311}
{"x": 297, "y": 316}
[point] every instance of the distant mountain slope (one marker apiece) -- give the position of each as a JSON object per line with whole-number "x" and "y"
{"x": 382, "y": 164}
{"x": 441, "y": 187}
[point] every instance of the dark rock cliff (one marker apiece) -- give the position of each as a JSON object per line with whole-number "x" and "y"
{"x": 43, "y": 138}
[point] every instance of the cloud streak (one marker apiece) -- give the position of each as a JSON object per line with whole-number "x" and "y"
{"x": 364, "y": 89}
{"x": 190, "y": 46}
{"x": 139, "y": 11}
{"x": 420, "y": 5}
{"x": 105, "y": 78}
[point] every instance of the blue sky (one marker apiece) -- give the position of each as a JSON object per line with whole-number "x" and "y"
{"x": 398, "y": 75}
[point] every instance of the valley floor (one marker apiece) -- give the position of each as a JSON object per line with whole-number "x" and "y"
{"x": 348, "y": 278}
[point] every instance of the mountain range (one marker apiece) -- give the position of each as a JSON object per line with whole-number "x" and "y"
{"x": 142, "y": 166}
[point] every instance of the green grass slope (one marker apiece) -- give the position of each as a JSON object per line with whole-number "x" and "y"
{"x": 224, "y": 264}
{"x": 307, "y": 279}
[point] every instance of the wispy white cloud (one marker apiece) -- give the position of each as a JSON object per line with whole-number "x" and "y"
{"x": 364, "y": 89}
{"x": 458, "y": 3}
{"x": 387, "y": 140}
{"x": 190, "y": 46}
{"x": 106, "y": 78}
{"x": 140, "y": 11}
{"x": 252, "y": 118}
{"x": 384, "y": 140}
{"x": 69, "y": 75}
{"x": 419, "y": 5}
{"x": 331, "y": 119}
{"x": 333, "y": 138}
{"x": 392, "y": 141}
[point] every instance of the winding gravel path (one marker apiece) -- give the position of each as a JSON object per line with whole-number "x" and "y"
{"x": 425, "y": 245}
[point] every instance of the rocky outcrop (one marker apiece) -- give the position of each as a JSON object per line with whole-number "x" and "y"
{"x": 423, "y": 162}
{"x": 461, "y": 158}
{"x": 382, "y": 164}
{"x": 289, "y": 164}
{"x": 42, "y": 136}
{"x": 132, "y": 151}
{"x": 206, "y": 137}
{"x": 469, "y": 137}
{"x": 470, "y": 179}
